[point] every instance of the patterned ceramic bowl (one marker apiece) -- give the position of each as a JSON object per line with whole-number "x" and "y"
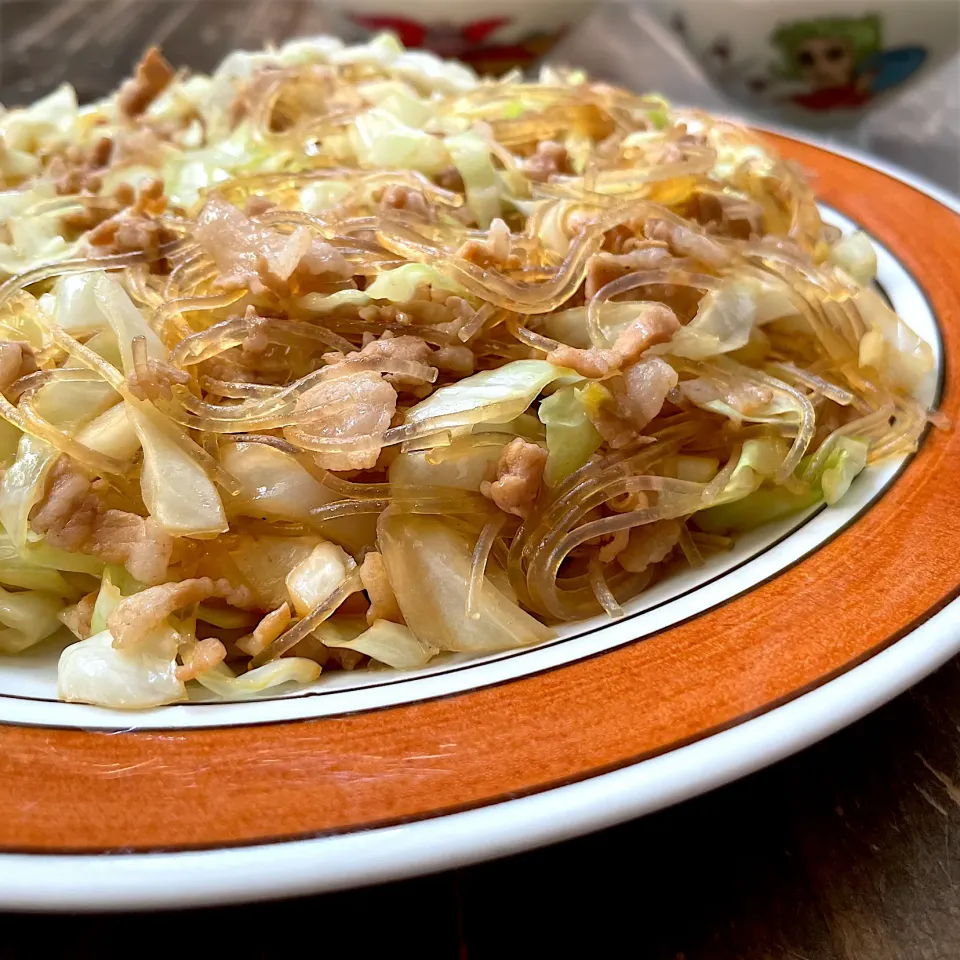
{"x": 823, "y": 63}
{"x": 492, "y": 36}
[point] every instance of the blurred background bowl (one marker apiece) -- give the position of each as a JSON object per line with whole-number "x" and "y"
{"x": 93, "y": 44}
{"x": 492, "y": 36}
{"x": 822, "y": 63}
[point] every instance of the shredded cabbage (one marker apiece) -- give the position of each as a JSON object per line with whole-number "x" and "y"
{"x": 759, "y": 460}
{"x": 125, "y": 320}
{"x": 762, "y": 506}
{"x": 312, "y": 580}
{"x": 471, "y": 156}
{"x": 23, "y": 485}
{"x": 722, "y": 324}
{"x": 339, "y": 336}
{"x": 400, "y": 285}
{"x": 177, "y": 490}
{"x": 19, "y": 570}
{"x": 32, "y": 234}
{"x": 570, "y": 326}
{"x": 391, "y": 643}
{"x": 188, "y": 173}
{"x": 691, "y": 468}
{"x": 379, "y": 139}
{"x": 744, "y": 505}
{"x": 76, "y": 308}
{"x": 429, "y": 568}
{"x": 855, "y": 255}
{"x": 108, "y": 599}
{"x": 272, "y": 484}
{"x": 112, "y": 434}
{"x": 399, "y": 100}
{"x": 323, "y": 195}
{"x": 265, "y": 562}
{"x": 28, "y": 616}
{"x": 844, "y": 464}
{"x": 494, "y": 396}
{"x": 466, "y": 471}
{"x": 902, "y": 358}
{"x": 95, "y": 671}
{"x": 43, "y": 125}
{"x": 571, "y": 436}
{"x": 222, "y": 681}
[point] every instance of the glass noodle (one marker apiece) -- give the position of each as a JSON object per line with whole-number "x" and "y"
{"x": 346, "y": 357}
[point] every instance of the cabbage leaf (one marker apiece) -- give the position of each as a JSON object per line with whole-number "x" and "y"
{"x": 94, "y": 671}
{"x": 492, "y": 396}
{"x": 222, "y": 681}
{"x": 428, "y": 564}
{"x": 465, "y": 471}
{"x": 471, "y": 156}
{"x": 571, "y": 436}
{"x": 856, "y": 256}
{"x": 176, "y": 489}
{"x": 903, "y": 359}
{"x": 400, "y": 284}
{"x": 390, "y": 643}
{"x": 27, "y": 616}
{"x": 312, "y": 580}
{"x": 23, "y": 486}
{"x": 723, "y": 323}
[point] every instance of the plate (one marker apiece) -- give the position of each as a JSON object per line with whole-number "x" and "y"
{"x": 804, "y": 627}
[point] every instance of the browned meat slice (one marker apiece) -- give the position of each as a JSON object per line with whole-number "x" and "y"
{"x": 649, "y": 544}
{"x": 636, "y": 398}
{"x": 746, "y": 398}
{"x": 550, "y": 158}
{"x": 656, "y": 323}
{"x": 257, "y": 205}
{"x": 262, "y": 258}
{"x": 519, "y": 472}
{"x": 77, "y": 618}
{"x": 72, "y": 517}
{"x": 137, "y": 615}
{"x": 686, "y": 242}
{"x": 455, "y": 359}
{"x": 266, "y": 631}
{"x": 78, "y": 169}
{"x": 155, "y": 379}
{"x": 644, "y": 389}
{"x": 399, "y": 197}
{"x": 356, "y": 408}
{"x": 135, "y": 227}
{"x": 604, "y": 268}
{"x": 151, "y": 78}
{"x": 206, "y": 654}
{"x": 615, "y": 545}
{"x": 495, "y": 250}
{"x": 398, "y": 348}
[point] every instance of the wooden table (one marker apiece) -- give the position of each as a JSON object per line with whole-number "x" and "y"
{"x": 850, "y": 851}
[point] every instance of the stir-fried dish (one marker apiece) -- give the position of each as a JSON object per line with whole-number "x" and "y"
{"x": 343, "y": 357}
